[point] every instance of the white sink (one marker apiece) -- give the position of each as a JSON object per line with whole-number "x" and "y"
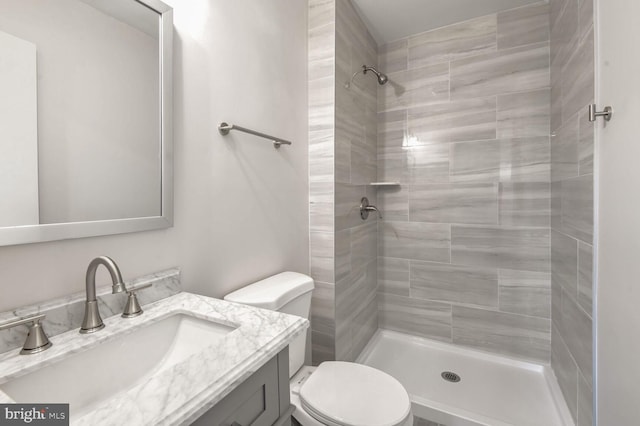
{"x": 88, "y": 378}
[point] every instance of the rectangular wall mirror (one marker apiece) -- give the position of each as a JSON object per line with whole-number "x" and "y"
{"x": 85, "y": 118}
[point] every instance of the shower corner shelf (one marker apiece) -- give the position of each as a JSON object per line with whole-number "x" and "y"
{"x": 384, "y": 184}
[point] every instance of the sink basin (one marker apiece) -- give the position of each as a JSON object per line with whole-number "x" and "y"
{"x": 88, "y": 378}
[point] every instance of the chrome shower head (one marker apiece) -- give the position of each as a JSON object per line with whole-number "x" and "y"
{"x": 382, "y": 78}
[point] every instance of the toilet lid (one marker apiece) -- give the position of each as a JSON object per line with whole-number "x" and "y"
{"x": 348, "y": 394}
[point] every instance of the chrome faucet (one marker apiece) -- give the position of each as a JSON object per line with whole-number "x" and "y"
{"x": 92, "y": 321}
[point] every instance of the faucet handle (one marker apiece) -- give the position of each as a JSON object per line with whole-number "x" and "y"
{"x": 37, "y": 340}
{"x": 365, "y": 208}
{"x": 132, "y": 308}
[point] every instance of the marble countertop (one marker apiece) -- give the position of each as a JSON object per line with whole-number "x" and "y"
{"x": 182, "y": 393}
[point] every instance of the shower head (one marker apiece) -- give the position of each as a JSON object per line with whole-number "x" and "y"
{"x": 382, "y": 78}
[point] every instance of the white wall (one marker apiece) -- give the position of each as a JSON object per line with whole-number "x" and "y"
{"x": 19, "y": 132}
{"x": 241, "y": 207}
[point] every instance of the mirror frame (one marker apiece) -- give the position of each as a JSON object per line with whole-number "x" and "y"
{"x": 62, "y": 231}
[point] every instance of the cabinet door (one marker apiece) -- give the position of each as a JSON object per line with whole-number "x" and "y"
{"x": 254, "y": 403}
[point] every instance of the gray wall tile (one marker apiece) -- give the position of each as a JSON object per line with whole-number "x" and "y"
{"x": 585, "y": 144}
{"x": 455, "y": 284}
{"x": 414, "y": 316}
{"x": 585, "y": 277}
{"x": 392, "y": 127}
{"x": 365, "y": 324}
{"x": 342, "y": 254}
{"x": 475, "y": 161}
{"x": 414, "y": 240}
{"x": 524, "y": 114}
{"x": 393, "y": 202}
{"x": 556, "y": 95}
{"x": 576, "y": 207}
{"x": 413, "y": 87}
{"x": 576, "y": 329}
{"x": 564, "y": 29}
{"x": 347, "y": 203}
{"x": 585, "y": 403}
{"x": 321, "y": 156}
{"x": 453, "y": 42}
{"x": 321, "y": 95}
{"x": 414, "y": 164}
{"x": 572, "y": 147}
{"x": 393, "y": 276}
{"x": 556, "y": 187}
{"x": 564, "y": 151}
{"x": 355, "y": 297}
{"x": 524, "y": 160}
{"x": 321, "y": 206}
{"x": 565, "y": 370}
{"x": 522, "y": 26}
{"x": 500, "y": 247}
{"x": 463, "y": 120}
{"x": 564, "y": 262}
{"x": 507, "y": 160}
{"x": 556, "y": 303}
{"x": 454, "y": 203}
{"x": 322, "y": 322}
{"x": 427, "y": 164}
{"x": 517, "y": 335}
{"x": 506, "y": 71}
{"x": 363, "y": 244}
{"x": 578, "y": 79}
{"x": 322, "y": 256}
{"x": 524, "y": 204}
{"x": 392, "y": 57}
{"x": 585, "y": 17}
{"x": 525, "y": 292}
{"x": 481, "y": 158}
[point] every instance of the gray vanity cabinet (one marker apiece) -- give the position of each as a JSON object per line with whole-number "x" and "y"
{"x": 261, "y": 400}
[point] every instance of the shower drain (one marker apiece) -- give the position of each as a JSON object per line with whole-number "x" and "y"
{"x": 450, "y": 376}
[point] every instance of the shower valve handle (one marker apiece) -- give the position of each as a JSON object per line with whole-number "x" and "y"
{"x": 366, "y": 208}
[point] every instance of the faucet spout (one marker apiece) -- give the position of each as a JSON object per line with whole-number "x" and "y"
{"x": 92, "y": 321}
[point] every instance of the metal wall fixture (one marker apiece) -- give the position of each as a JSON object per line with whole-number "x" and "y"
{"x": 225, "y": 128}
{"x": 607, "y": 113}
{"x": 366, "y": 208}
{"x": 37, "y": 340}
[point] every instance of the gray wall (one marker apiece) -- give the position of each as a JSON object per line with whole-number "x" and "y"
{"x": 463, "y": 125}
{"x": 321, "y": 74}
{"x": 241, "y": 207}
{"x": 342, "y": 161}
{"x": 355, "y": 167}
{"x": 572, "y": 143}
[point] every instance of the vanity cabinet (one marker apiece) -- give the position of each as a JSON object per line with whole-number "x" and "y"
{"x": 261, "y": 400}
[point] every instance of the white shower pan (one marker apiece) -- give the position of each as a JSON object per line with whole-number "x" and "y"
{"x": 492, "y": 391}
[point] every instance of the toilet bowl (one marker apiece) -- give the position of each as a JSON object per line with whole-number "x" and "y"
{"x": 336, "y": 393}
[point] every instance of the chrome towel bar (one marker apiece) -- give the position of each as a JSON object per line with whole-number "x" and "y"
{"x": 225, "y": 128}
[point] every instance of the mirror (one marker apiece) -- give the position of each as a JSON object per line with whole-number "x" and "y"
{"x": 85, "y": 118}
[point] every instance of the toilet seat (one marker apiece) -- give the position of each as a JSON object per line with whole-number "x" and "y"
{"x": 348, "y": 394}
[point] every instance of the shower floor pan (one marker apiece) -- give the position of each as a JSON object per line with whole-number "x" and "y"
{"x": 492, "y": 391}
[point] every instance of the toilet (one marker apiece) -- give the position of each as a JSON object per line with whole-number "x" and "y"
{"x": 335, "y": 393}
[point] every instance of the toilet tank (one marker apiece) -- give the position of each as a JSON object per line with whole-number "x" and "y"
{"x": 287, "y": 292}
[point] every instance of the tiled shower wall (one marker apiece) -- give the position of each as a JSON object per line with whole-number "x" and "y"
{"x": 572, "y": 146}
{"x": 342, "y": 161}
{"x": 355, "y": 167}
{"x": 463, "y": 125}
{"x": 321, "y": 176}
